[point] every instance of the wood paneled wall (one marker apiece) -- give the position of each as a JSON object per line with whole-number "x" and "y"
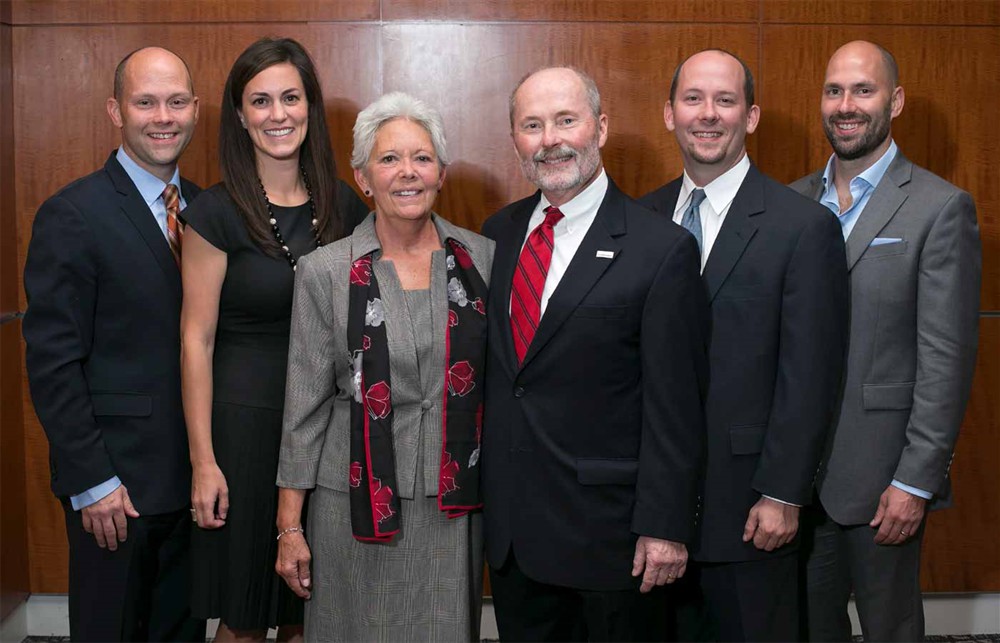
{"x": 464, "y": 56}
{"x": 13, "y": 516}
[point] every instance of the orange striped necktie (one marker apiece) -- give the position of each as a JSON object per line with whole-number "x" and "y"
{"x": 172, "y": 201}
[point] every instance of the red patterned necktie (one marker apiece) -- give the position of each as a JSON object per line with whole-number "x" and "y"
{"x": 172, "y": 202}
{"x": 529, "y": 281}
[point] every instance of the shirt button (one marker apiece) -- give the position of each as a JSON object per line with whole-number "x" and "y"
{"x": 426, "y": 404}
{"x": 518, "y": 391}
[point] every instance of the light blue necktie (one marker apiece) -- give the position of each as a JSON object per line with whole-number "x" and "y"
{"x": 692, "y": 217}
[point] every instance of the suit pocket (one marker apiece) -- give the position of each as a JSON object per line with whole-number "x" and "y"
{"x": 124, "y": 404}
{"x": 885, "y": 250}
{"x": 747, "y": 439}
{"x": 887, "y": 397}
{"x": 602, "y": 312}
{"x": 595, "y": 471}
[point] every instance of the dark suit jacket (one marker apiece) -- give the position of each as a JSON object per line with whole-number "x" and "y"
{"x": 103, "y": 342}
{"x": 777, "y": 287}
{"x": 914, "y": 320}
{"x": 598, "y": 436}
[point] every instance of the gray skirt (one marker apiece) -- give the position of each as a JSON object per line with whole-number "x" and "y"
{"x": 425, "y": 585}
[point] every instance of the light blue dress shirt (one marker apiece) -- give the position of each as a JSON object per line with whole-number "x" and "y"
{"x": 151, "y": 190}
{"x": 862, "y": 187}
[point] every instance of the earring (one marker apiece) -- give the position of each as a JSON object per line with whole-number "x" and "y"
{"x": 368, "y": 192}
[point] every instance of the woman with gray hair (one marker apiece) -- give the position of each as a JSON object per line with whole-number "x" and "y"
{"x": 383, "y": 406}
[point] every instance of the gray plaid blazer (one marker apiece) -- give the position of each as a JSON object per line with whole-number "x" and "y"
{"x": 315, "y": 441}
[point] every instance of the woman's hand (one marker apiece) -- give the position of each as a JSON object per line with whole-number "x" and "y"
{"x": 209, "y": 496}
{"x": 293, "y": 562}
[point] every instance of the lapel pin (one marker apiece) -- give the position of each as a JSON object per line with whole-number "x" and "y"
{"x": 605, "y": 254}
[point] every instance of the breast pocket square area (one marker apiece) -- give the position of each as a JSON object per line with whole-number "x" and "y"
{"x": 882, "y": 241}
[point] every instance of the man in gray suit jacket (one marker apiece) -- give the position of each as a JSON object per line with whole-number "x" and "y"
{"x": 913, "y": 254}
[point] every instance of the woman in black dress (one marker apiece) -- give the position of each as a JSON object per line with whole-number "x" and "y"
{"x": 279, "y": 199}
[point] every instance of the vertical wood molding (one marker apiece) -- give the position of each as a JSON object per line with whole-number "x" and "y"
{"x": 14, "y": 582}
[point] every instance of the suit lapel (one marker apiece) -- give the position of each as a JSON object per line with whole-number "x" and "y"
{"x": 883, "y": 205}
{"x": 816, "y": 186}
{"x": 737, "y": 230}
{"x": 139, "y": 214}
{"x": 508, "y": 249}
{"x": 584, "y": 270}
{"x": 668, "y": 203}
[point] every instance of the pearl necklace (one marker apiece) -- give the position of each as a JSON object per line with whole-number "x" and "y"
{"x": 273, "y": 220}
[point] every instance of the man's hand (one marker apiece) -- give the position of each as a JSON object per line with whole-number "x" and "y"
{"x": 659, "y": 561}
{"x": 106, "y": 518}
{"x": 898, "y": 516}
{"x": 293, "y": 562}
{"x": 771, "y": 524}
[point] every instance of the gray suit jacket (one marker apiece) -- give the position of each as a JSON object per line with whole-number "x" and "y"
{"x": 913, "y": 340}
{"x": 315, "y": 441}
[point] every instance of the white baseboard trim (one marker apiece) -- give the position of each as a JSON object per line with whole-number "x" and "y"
{"x": 953, "y": 614}
{"x": 48, "y": 615}
{"x": 15, "y": 627}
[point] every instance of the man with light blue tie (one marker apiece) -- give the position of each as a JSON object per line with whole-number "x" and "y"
{"x": 102, "y": 335}
{"x": 773, "y": 267}
{"x": 914, "y": 259}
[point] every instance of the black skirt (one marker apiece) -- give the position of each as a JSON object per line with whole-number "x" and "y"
{"x": 233, "y": 566}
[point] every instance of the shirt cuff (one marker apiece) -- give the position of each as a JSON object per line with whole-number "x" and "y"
{"x": 94, "y": 494}
{"x": 920, "y": 493}
{"x": 791, "y": 504}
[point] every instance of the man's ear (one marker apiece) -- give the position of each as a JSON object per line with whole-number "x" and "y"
{"x": 753, "y": 118}
{"x": 898, "y": 99}
{"x": 115, "y": 112}
{"x": 668, "y": 115}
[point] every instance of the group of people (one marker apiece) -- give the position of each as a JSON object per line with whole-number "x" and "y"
{"x": 652, "y": 418}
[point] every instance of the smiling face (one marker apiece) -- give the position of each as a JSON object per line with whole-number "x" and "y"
{"x": 403, "y": 172}
{"x": 275, "y": 112}
{"x": 156, "y": 112}
{"x": 557, "y": 137}
{"x": 709, "y": 115}
{"x": 859, "y": 102}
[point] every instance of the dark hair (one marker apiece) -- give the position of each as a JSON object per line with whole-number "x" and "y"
{"x": 119, "y": 88}
{"x": 237, "y": 159}
{"x": 747, "y": 76}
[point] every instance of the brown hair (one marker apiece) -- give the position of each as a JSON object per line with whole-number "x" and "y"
{"x": 237, "y": 160}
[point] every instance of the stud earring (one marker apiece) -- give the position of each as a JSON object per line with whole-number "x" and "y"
{"x": 368, "y": 192}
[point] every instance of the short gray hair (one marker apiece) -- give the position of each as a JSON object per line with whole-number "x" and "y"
{"x": 390, "y": 107}
{"x": 590, "y": 87}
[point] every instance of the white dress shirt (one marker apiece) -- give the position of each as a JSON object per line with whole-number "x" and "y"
{"x": 578, "y": 213}
{"x": 719, "y": 195}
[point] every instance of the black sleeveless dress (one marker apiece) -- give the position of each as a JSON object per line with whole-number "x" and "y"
{"x": 233, "y": 566}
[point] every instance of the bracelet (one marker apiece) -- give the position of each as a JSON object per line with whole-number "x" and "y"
{"x": 289, "y": 531}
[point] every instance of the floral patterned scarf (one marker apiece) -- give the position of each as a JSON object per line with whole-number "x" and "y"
{"x": 375, "y": 506}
